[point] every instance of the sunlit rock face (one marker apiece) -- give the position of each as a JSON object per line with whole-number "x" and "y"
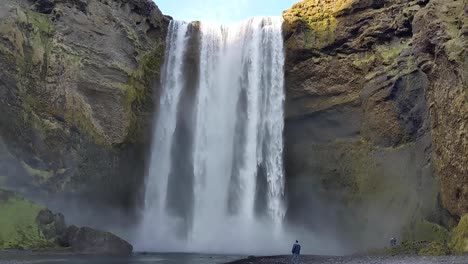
{"x": 376, "y": 111}
{"x": 76, "y": 83}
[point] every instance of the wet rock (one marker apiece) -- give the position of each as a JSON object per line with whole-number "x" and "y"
{"x": 52, "y": 225}
{"x": 76, "y": 93}
{"x": 91, "y": 241}
{"x": 375, "y": 98}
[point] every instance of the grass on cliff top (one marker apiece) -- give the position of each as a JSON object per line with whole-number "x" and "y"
{"x": 315, "y": 10}
{"x": 320, "y": 17}
{"x": 18, "y": 227}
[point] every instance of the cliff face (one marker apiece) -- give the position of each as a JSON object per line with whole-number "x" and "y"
{"x": 376, "y": 114}
{"x": 76, "y": 89}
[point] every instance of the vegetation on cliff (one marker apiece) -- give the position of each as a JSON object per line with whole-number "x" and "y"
{"x": 77, "y": 94}
{"x": 18, "y": 223}
{"x": 27, "y": 225}
{"x": 364, "y": 108}
{"x": 459, "y": 241}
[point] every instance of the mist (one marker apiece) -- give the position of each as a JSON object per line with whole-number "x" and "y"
{"x": 216, "y": 179}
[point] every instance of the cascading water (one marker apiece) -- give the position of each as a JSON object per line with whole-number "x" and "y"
{"x": 215, "y": 182}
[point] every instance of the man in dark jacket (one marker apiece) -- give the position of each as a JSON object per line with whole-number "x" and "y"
{"x": 296, "y": 251}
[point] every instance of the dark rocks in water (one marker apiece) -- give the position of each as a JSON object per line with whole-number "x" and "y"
{"x": 91, "y": 241}
{"x": 83, "y": 240}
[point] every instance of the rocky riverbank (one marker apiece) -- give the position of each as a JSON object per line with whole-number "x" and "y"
{"x": 356, "y": 260}
{"x": 29, "y": 226}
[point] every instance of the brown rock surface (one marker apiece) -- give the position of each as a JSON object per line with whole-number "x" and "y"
{"x": 376, "y": 115}
{"x": 76, "y": 87}
{"x": 441, "y": 48}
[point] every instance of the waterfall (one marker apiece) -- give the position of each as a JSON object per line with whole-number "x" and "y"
{"x": 215, "y": 182}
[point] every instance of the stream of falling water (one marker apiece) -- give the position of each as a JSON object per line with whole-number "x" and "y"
{"x": 215, "y": 182}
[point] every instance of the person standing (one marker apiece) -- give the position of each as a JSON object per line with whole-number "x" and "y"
{"x": 393, "y": 242}
{"x": 296, "y": 251}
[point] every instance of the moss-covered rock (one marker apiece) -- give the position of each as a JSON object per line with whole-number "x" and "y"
{"x": 27, "y": 225}
{"x": 437, "y": 28}
{"x": 434, "y": 249}
{"x": 77, "y": 95}
{"x": 424, "y": 230}
{"x": 362, "y": 100}
{"x": 18, "y": 223}
{"x": 459, "y": 241}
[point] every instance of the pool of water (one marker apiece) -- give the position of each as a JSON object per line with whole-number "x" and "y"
{"x": 19, "y": 257}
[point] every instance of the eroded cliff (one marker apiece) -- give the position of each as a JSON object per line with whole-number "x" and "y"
{"x": 376, "y": 110}
{"x": 76, "y": 88}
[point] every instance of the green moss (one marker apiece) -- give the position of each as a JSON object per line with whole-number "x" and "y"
{"x": 32, "y": 63}
{"x": 41, "y": 174}
{"x": 18, "y": 227}
{"x": 37, "y": 30}
{"x": 140, "y": 85}
{"x": 131, "y": 35}
{"x": 321, "y": 33}
{"x": 320, "y": 17}
{"x": 421, "y": 248}
{"x": 459, "y": 241}
{"x": 365, "y": 62}
{"x": 434, "y": 249}
{"x": 389, "y": 53}
{"x": 81, "y": 117}
{"x": 423, "y": 230}
{"x": 405, "y": 248}
{"x": 40, "y": 21}
{"x": 321, "y": 104}
{"x": 422, "y": 238}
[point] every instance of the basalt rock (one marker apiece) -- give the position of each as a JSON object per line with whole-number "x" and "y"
{"x": 28, "y": 225}
{"x": 77, "y": 84}
{"x": 86, "y": 240}
{"x": 376, "y": 112}
{"x": 51, "y": 225}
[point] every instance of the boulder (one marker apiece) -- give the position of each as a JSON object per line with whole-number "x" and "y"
{"x": 19, "y": 228}
{"x": 87, "y": 240}
{"x": 27, "y": 225}
{"x": 52, "y": 225}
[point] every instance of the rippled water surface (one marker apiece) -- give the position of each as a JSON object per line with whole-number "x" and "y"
{"x": 16, "y": 257}
{"x": 27, "y": 258}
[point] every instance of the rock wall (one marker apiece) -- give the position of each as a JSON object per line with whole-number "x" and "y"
{"x": 76, "y": 88}
{"x": 376, "y": 113}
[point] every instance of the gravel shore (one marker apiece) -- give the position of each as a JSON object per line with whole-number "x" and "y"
{"x": 356, "y": 260}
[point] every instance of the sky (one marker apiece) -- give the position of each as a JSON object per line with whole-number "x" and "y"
{"x": 222, "y": 11}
